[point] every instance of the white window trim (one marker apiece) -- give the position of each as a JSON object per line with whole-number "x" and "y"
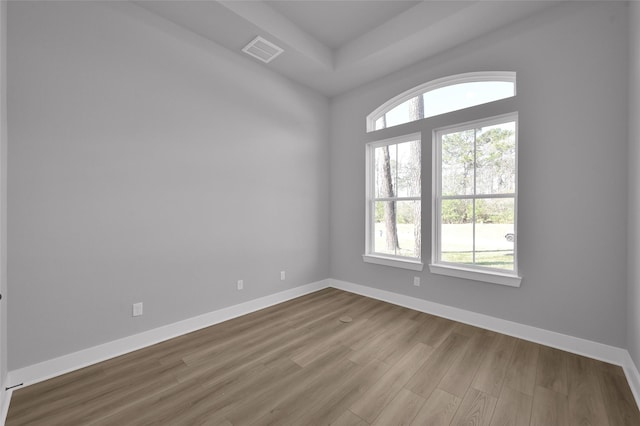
{"x": 370, "y": 256}
{"x": 476, "y": 275}
{"x": 395, "y": 261}
{"x": 509, "y": 278}
{"x": 506, "y": 76}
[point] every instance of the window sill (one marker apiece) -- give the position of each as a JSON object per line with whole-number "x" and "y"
{"x": 470, "y": 274}
{"x": 414, "y": 265}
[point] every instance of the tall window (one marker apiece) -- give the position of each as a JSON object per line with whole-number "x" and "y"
{"x": 475, "y": 195}
{"x": 394, "y": 198}
{"x": 473, "y": 172}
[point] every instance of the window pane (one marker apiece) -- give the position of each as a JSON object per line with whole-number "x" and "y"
{"x": 397, "y": 228}
{"x": 385, "y": 171}
{"x": 457, "y": 231}
{"x": 385, "y": 238}
{"x": 445, "y": 99}
{"x": 411, "y": 110}
{"x": 380, "y": 123}
{"x": 409, "y": 231}
{"x": 465, "y": 95}
{"x": 495, "y": 238}
{"x": 457, "y": 163}
{"x": 496, "y": 159}
{"x": 408, "y": 168}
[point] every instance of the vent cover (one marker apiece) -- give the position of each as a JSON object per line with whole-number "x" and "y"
{"x": 262, "y": 49}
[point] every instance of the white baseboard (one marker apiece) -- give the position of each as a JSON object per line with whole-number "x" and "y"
{"x": 602, "y": 352}
{"x": 6, "y": 399}
{"x": 66, "y": 363}
{"x": 633, "y": 377}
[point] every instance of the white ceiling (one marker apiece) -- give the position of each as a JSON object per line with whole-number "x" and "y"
{"x": 334, "y": 23}
{"x": 335, "y": 45}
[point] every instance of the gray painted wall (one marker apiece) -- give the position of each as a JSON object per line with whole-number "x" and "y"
{"x": 633, "y": 322}
{"x": 572, "y": 65}
{"x": 147, "y": 164}
{"x": 3, "y": 193}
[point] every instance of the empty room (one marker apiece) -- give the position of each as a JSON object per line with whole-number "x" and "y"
{"x": 307, "y": 212}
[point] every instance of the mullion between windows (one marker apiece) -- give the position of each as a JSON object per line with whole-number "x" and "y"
{"x": 475, "y": 183}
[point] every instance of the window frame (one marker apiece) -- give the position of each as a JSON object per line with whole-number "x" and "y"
{"x": 470, "y": 77}
{"x": 437, "y": 266}
{"x": 370, "y": 255}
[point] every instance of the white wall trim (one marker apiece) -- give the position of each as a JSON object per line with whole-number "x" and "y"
{"x": 610, "y": 354}
{"x": 6, "y": 399}
{"x": 66, "y": 363}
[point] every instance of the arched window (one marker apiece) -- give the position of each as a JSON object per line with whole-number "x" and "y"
{"x": 474, "y": 195}
{"x": 443, "y": 95}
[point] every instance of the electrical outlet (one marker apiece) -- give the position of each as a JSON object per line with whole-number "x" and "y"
{"x": 416, "y": 281}
{"x": 240, "y": 284}
{"x": 137, "y": 309}
{"x": 283, "y": 275}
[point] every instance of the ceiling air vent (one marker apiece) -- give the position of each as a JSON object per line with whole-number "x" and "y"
{"x": 262, "y": 49}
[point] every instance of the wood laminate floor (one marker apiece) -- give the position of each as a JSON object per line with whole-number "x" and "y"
{"x": 297, "y": 364}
